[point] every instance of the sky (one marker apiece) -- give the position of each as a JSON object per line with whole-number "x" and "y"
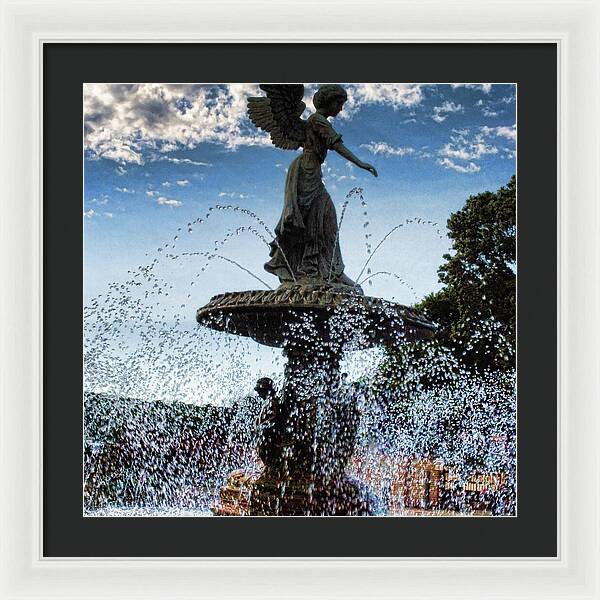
{"x": 158, "y": 156}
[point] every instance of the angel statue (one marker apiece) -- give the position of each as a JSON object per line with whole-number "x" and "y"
{"x": 306, "y": 248}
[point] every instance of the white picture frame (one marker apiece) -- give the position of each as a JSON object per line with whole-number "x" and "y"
{"x": 572, "y": 25}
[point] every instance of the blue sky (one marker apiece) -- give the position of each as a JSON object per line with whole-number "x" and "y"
{"x": 158, "y": 156}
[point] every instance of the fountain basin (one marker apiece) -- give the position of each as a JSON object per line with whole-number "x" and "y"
{"x": 332, "y": 314}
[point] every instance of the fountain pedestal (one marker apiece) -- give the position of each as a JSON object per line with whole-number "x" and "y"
{"x": 306, "y": 440}
{"x": 307, "y": 433}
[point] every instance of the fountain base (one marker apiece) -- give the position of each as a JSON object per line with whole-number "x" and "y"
{"x": 244, "y": 496}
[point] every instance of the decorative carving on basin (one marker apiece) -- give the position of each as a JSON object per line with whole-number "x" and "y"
{"x": 330, "y": 312}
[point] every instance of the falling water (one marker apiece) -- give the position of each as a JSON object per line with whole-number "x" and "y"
{"x": 170, "y": 409}
{"x": 371, "y": 253}
{"x": 407, "y": 285}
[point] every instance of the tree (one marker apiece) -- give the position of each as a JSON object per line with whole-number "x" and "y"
{"x": 454, "y": 397}
{"x": 475, "y": 310}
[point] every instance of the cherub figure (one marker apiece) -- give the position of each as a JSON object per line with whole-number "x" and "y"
{"x": 306, "y": 249}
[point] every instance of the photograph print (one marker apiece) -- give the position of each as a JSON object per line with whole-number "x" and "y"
{"x": 299, "y": 300}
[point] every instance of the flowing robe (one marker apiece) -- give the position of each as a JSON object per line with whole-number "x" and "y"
{"x": 307, "y": 241}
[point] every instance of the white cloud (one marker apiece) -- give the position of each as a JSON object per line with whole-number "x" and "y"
{"x": 183, "y": 182}
{"x": 169, "y": 202}
{"x": 387, "y": 150}
{"x": 166, "y": 184}
{"x": 108, "y": 215}
{"x": 486, "y": 88}
{"x": 120, "y": 170}
{"x": 332, "y": 174}
{"x": 184, "y": 161}
{"x": 132, "y": 123}
{"x": 449, "y": 164}
{"x": 89, "y": 213}
{"x": 508, "y": 132}
{"x": 168, "y": 147}
{"x": 123, "y": 121}
{"x": 151, "y": 193}
{"x": 396, "y": 95}
{"x": 466, "y": 148}
{"x": 125, "y": 190}
{"x": 232, "y": 195}
{"x": 118, "y": 151}
{"x": 440, "y": 113}
{"x": 100, "y": 201}
{"x": 489, "y": 113}
{"x": 463, "y": 147}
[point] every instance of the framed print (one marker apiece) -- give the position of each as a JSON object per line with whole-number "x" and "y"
{"x": 310, "y": 388}
{"x": 306, "y": 310}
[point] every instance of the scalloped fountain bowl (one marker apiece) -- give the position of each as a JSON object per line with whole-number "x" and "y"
{"x": 333, "y": 314}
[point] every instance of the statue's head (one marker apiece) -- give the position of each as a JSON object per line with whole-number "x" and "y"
{"x": 330, "y": 99}
{"x": 264, "y": 387}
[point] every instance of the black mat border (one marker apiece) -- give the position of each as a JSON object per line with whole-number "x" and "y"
{"x": 532, "y": 533}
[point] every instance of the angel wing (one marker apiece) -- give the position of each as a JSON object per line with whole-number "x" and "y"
{"x": 279, "y": 114}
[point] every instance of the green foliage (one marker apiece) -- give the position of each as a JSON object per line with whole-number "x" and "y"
{"x": 431, "y": 405}
{"x": 475, "y": 311}
{"x": 473, "y": 347}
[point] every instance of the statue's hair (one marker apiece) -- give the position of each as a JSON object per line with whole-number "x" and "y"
{"x": 326, "y": 93}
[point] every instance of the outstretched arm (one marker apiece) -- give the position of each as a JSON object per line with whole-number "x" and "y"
{"x": 343, "y": 151}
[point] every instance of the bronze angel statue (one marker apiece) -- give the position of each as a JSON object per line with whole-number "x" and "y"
{"x": 306, "y": 249}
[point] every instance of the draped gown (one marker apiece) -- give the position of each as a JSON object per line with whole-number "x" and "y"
{"x": 307, "y": 232}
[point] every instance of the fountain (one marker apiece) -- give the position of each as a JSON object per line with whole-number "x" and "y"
{"x": 308, "y": 428}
